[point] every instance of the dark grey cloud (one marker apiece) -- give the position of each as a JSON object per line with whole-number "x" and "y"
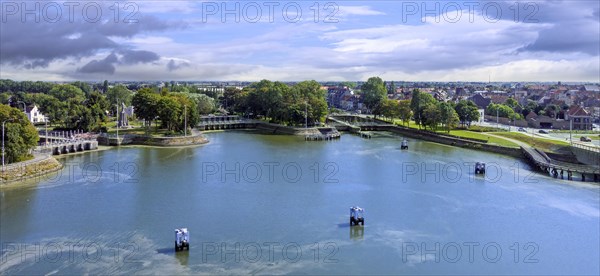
{"x": 108, "y": 64}
{"x": 176, "y": 65}
{"x": 104, "y": 66}
{"x": 133, "y": 57}
{"x": 30, "y": 44}
{"x": 573, "y": 24}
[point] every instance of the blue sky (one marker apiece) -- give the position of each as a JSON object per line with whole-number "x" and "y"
{"x": 288, "y": 41}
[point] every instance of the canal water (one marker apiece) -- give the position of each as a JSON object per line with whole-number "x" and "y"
{"x": 266, "y": 204}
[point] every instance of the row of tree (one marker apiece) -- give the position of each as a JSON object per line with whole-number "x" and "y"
{"x": 175, "y": 111}
{"x": 423, "y": 107}
{"x": 304, "y": 102}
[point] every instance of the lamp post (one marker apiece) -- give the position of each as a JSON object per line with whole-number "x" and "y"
{"x": 3, "y": 123}
{"x": 306, "y": 114}
{"x": 117, "y": 121}
{"x": 46, "y": 128}
{"x": 185, "y": 119}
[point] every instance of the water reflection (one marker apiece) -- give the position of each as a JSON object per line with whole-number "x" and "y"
{"x": 357, "y": 232}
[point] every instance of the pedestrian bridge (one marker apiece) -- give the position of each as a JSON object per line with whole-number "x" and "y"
{"x": 68, "y": 146}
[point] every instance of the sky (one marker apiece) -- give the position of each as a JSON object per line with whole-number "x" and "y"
{"x": 300, "y": 40}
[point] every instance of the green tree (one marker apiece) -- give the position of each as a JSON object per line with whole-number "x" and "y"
{"x": 432, "y": 115}
{"x": 118, "y": 94}
{"x": 105, "y": 86}
{"x": 449, "y": 117}
{"x": 65, "y": 92}
{"x": 419, "y": 102}
{"x": 20, "y": 136}
{"x": 169, "y": 112}
{"x": 373, "y": 92}
{"x": 304, "y": 96}
{"x": 145, "y": 104}
{"x": 86, "y": 88}
{"x": 404, "y": 111}
{"x": 206, "y": 104}
{"x": 389, "y": 109}
{"x": 467, "y": 112}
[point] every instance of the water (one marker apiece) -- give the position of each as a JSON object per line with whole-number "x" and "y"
{"x": 276, "y": 204}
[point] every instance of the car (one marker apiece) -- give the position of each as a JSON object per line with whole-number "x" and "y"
{"x": 543, "y": 131}
{"x": 585, "y": 139}
{"x": 522, "y": 129}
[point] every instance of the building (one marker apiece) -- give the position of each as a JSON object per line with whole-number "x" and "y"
{"x": 579, "y": 117}
{"x": 34, "y": 115}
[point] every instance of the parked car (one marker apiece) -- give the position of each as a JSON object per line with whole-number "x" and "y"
{"x": 543, "y": 131}
{"x": 522, "y": 129}
{"x": 585, "y": 139}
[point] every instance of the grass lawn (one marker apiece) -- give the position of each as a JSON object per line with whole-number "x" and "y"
{"x": 466, "y": 134}
{"x": 483, "y": 136}
{"x": 540, "y": 143}
{"x": 411, "y": 124}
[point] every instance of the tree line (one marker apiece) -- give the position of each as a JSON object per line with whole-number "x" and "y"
{"x": 423, "y": 108}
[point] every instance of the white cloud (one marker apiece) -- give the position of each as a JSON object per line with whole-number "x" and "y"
{"x": 358, "y": 10}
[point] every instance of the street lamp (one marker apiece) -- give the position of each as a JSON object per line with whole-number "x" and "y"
{"x": 117, "y": 122}
{"x": 185, "y": 119}
{"x": 305, "y": 114}
{"x": 46, "y": 128}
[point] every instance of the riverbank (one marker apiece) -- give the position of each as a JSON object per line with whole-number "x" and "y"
{"x": 36, "y": 168}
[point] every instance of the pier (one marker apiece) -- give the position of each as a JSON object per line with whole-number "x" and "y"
{"x": 556, "y": 168}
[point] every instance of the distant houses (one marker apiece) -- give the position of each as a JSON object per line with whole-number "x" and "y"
{"x": 34, "y": 115}
{"x": 582, "y": 120}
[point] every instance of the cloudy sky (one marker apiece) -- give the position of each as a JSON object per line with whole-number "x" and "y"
{"x": 337, "y": 40}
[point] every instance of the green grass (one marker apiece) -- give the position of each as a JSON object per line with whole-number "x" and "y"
{"x": 411, "y": 124}
{"x": 540, "y": 143}
{"x": 482, "y": 136}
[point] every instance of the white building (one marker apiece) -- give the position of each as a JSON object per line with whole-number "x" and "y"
{"x": 34, "y": 115}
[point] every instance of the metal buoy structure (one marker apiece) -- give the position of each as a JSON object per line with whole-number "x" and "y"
{"x": 357, "y": 216}
{"x": 479, "y": 168}
{"x": 404, "y": 144}
{"x": 182, "y": 239}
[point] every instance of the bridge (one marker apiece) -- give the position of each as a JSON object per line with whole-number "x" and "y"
{"x": 554, "y": 167}
{"x": 224, "y": 122}
{"x": 59, "y": 142}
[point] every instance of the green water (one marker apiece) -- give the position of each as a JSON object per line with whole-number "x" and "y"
{"x": 276, "y": 204}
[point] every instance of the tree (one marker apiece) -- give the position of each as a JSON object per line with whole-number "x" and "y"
{"x": 449, "y": 117}
{"x": 86, "y": 88}
{"x": 432, "y": 116}
{"x": 418, "y": 104}
{"x": 65, "y": 92}
{"x": 467, "y": 112}
{"x": 169, "y": 110}
{"x": 404, "y": 111}
{"x": 233, "y": 99}
{"x": 389, "y": 109}
{"x": 205, "y": 104}
{"x": 105, "y": 86}
{"x": 392, "y": 88}
{"x": 145, "y": 103}
{"x": 306, "y": 95}
{"x": 20, "y": 136}
{"x": 373, "y": 92}
{"x": 117, "y": 95}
